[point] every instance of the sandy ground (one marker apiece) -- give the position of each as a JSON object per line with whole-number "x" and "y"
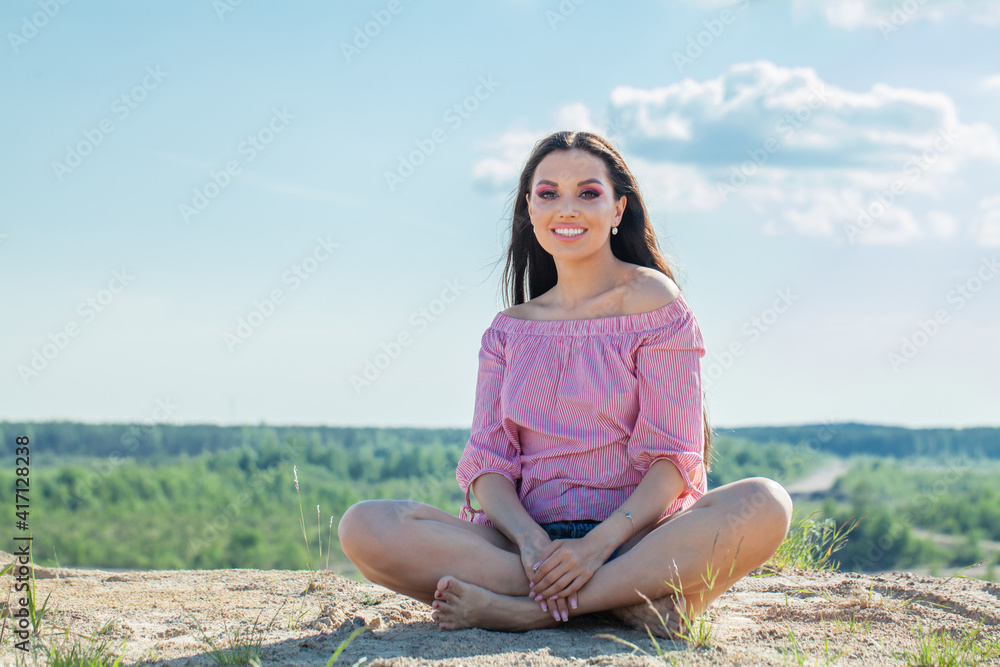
{"x": 159, "y": 612}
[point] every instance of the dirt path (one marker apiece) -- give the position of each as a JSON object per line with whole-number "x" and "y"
{"x": 819, "y": 481}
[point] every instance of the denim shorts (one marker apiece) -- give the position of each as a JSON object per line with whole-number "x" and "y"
{"x": 562, "y": 530}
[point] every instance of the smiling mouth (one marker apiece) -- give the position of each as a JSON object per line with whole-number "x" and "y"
{"x": 569, "y": 232}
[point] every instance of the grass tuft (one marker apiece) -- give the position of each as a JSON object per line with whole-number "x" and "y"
{"x": 241, "y": 647}
{"x": 76, "y": 653}
{"x": 343, "y": 645}
{"x": 968, "y": 646}
{"x": 302, "y": 522}
{"x": 810, "y": 545}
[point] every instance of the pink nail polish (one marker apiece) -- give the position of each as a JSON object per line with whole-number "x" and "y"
{"x": 544, "y": 608}
{"x": 538, "y": 598}
{"x": 565, "y": 616}
{"x": 553, "y": 597}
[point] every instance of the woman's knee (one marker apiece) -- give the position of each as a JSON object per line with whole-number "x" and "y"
{"x": 770, "y": 499}
{"x": 366, "y": 522}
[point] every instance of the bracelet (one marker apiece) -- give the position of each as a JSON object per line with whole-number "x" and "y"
{"x": 629, "y": 515}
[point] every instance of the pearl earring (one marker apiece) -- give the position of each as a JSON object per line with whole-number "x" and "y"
{"x": 614, "y": 230}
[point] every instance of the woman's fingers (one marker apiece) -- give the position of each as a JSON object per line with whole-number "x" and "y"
{"x": 543, "y": 566}
{"x": 543, "y": 585}
{"x": 549, "y": 550}
{"x": 558, "y": 588}
{"x": 544, "y": 573}
{"x": 559, "y": 609}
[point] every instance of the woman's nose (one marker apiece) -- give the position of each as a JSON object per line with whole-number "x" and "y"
{"x": 566, "y": 209}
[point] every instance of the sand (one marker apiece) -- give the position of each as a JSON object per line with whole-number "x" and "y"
{"x": 158, "y": 613}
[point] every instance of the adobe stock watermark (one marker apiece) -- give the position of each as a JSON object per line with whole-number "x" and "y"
{"x": 453, "y": 116}
{"x": 752, "y": 330}
{"x": 562, "y": 12}
{"x": 134, "y": 436}
{"x": 705, "y": 38}
{"x": 121, "y": 108}
{"x": 926, "y": 330}
{"x": 789, "y": 123}
{"x": 264, "y": 309}
{"x": 249, "y": 149}
{"x": 31, "y": 25}
{"x": 420, "y": 320}
{"x": 223, "y": 7}
{"x": 88, "y": 309}
{"x": 363, "y": 35}
{"x": 913, "y": 168}
{"x": 900, "y": 15}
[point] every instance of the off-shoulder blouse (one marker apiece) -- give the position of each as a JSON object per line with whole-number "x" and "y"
{"x": 574, "y": 412}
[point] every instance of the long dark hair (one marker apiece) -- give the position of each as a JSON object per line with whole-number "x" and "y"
{"x": 635, "y": 241}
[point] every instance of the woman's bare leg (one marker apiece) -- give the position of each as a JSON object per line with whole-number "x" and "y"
{"x": 730, "y": 531}
{"x": 407, "y": 546}
{"x": 473, "y": 576}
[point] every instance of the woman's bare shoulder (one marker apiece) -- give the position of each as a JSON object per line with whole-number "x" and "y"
{"x": 523, "y": 311}
{"x": 649, "y": 290}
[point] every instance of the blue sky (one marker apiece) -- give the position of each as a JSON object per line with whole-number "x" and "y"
{"x": 174, "y": 168}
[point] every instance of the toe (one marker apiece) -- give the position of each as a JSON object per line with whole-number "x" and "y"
{"x": 448, "y": 584}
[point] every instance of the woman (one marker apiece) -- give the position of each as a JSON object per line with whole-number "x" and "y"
{"x": 589, "y": 441}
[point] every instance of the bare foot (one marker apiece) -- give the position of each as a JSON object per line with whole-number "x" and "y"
{"x": 640, "y": 616}
{"x": 459, "y": 605}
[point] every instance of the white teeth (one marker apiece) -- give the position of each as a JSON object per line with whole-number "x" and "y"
{"x": 569, "y": 232}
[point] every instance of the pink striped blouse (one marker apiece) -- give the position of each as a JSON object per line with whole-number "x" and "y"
{"x": 574, "y": 412}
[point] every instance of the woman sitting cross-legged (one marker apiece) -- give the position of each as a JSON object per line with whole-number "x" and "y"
{"x": 589, "y": 441}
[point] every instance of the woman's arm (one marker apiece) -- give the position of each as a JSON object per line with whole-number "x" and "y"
{"x": 660, "y": 487}
{"x": 566, "y": 568}
{"x": 499, "y": 501}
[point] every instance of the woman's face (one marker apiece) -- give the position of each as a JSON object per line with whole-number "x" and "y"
{"x": 571, "y": 191}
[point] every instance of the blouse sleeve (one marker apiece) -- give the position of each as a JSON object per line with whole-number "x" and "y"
{"x": 489, "y": 448}
{"x": 670, "y": 424}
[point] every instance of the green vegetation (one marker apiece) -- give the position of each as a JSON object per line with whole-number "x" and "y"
{"x": 203, "y": 497}
{"x": 344, "y": 644}
{"x": 893, "y": 499}
{"x": 83, "y": 652}
{"x": 970, "y": 646}
{"x": 810, "y": 544}
{"x": 223, "y": 509}
{"x": 737, "y": 458}
{"x": 237, "y": 647}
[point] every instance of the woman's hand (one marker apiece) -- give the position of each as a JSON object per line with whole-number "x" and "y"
{"x": 566, "y": 565}
{"x": 532, "y": 553}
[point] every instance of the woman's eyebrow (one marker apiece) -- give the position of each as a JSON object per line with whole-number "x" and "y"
{"x": 589, "y": 180}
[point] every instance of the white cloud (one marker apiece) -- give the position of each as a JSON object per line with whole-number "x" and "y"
{"x": 802, "y": 154}
{"x": 888, "y": 15}
{"x": 511, "y": 149}
{"x": 990, "y": 83}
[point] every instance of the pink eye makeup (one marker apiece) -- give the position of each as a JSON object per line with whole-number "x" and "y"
{"x": 591, "y": 192}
